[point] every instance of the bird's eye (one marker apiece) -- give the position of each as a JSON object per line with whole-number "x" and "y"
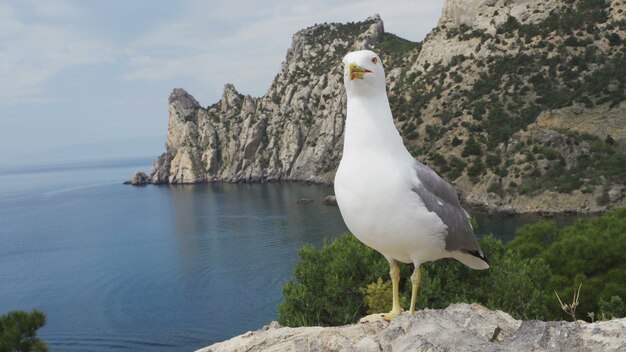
{"x": 374, "y": 60}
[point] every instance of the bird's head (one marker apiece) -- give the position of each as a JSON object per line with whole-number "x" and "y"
{"x": 363, "y": 73}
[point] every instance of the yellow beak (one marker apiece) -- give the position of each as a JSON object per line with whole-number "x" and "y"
{"x": 356, "y": 71}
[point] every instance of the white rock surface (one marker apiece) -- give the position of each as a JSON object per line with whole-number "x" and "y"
{"x": 460, "y": 327}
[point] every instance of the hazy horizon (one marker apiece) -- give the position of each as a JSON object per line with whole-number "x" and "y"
{"x": 93, "y": 74}
{"x": 109, "y": 150}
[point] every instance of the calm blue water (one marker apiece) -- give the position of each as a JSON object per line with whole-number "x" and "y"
{"x": 156, "y": 268}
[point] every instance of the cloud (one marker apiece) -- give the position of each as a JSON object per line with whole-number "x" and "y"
{"x": 245, "y": 42}
{"x": 34, "y": 51}
{"x": 53, "y": 9}
{"x": 153, "y": 69}
{"x": 198, "y": 43}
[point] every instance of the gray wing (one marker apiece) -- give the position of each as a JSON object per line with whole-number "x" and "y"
{"x": 439, "y": 197}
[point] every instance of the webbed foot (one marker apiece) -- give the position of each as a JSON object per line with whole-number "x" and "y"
{"x": 380, "y": 317}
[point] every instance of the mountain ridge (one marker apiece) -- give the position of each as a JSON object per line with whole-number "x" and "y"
{"x": 520, "y": 105}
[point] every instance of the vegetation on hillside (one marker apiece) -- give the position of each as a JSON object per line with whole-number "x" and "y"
{"x": 472, "y": 116}
{"x": 575, "y": 56}
{"x": 18, "y": 331}
{"x": 335, "y": 284}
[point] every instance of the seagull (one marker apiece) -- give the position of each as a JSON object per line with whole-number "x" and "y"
{"x": 390, "y": 201}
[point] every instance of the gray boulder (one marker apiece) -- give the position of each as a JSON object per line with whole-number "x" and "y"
{"x": 139, "y": 179}
{"x": 330, "y": 200}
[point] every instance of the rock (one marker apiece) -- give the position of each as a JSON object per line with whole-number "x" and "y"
{"x": 519, "y": 158}
{"x": 329, "y": 200}
{"x": 599, "y": 121}
{"x": 139, "y": 179}
{"x": 466, "y": 327}
{"x": 506, "y": 210}
{"x": 303, "y": 201}
{"x": 272, "y": 325}
{"x": 231, "y": 99}
{"x": 372, "y": 35}
{"x": 616, "y": 193}
{"x": 549, "y": 137}
{"x": 183, "y": 115}
{"x": 183, "y": 103}
{"x": 488, "y": 14}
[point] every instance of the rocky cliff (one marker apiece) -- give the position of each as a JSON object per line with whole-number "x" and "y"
{"x": 294, "y": 132}
{"x": 520, "y": 104}
{"x": 460, "y": 327}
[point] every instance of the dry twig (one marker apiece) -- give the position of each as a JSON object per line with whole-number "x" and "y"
{"x": 570, "y": 308}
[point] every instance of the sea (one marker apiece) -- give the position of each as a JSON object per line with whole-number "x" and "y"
{"x": 156, "y": 268}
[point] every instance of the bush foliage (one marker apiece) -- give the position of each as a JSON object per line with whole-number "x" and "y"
{"x": 340, "y": 283}
{"x": 18, "y": 331}
{"x": 326, "y": 290}
{"x": 590, "y": 252}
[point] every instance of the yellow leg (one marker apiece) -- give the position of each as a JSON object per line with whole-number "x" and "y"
{"x": 394, "y": 272}
{"x": 396, "y": 309}
{"x": 415, "y": 283}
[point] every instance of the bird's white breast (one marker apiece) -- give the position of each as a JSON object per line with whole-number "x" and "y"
{"x": 375, "y": 197}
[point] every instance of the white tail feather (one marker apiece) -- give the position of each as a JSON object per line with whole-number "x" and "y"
{"x": 470, "y": 260}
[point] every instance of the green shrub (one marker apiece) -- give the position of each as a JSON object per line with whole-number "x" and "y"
{"x": 336, "y": 284}
{"x": 471, "y": 148}
{"x": 603, "y": 198}
{"x": 476, "y": 169}
{"x": 550, "y": 153}
{"x": 495, "y": 187}
{"x": 614, "y": 39}
{"x": 532, "y": 239}
{"x": 612, "y": 308}
{"x": 457, "y": 166}
{"x": 326, "y": 288}
{"x": 512, "y": 284}
{"x": 510, "y": 25}
{"x": 377, "y": 296}
{"x": 439, "y": 160}
{"x": 18, "y": 331}
{"x": 590, "y": 252}
{"x": 493, "y": 160}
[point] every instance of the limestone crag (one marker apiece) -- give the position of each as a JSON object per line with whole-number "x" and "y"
{"x": 501, "y": 50}
{"x": 294, "y": 132}
{"x": 600, "y": 121}
{"x": 489, "y": 14}
{"x": 139, "y": 179}
{"x": 520, "y": 104}
{"x": 458, "y": 327}
{"x": 477, "y": 15}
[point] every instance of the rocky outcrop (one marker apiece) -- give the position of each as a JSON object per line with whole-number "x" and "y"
{"x": 472, "y": 44}
{"x": 600, "y": 121}
{"x": 329, "y": 200}
{"x": 539, "y": 101}
{"x": 489, "y": 14}
{"x": 460, "y": 327}
{"x": 476, "y": 15}
{"x": 139, "y": 179}
{"x": 294, "y": 132}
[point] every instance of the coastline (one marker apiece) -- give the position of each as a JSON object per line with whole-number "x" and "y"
{"x": 504, "y": 210}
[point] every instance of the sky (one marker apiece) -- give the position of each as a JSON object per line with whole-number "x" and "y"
{"x": 82, "y": 80}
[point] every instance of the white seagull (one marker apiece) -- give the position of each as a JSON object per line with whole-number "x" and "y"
{"x": 389, "y": 201}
